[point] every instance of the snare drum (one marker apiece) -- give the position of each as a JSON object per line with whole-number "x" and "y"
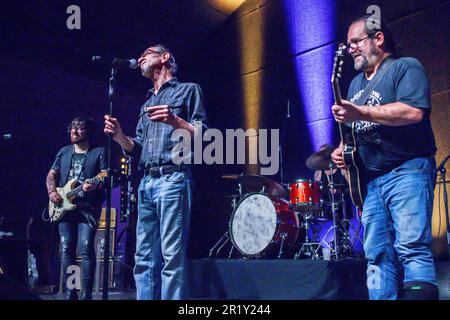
{"x": 306, "y": 194}
{"x": 261, "y": 224}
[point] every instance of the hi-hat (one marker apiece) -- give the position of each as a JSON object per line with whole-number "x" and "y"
{"x": 321, "y": 160}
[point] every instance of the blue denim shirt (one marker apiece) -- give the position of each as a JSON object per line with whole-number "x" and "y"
{"x": 153, "y": 139}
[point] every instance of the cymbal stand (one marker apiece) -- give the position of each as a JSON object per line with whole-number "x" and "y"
{"x": 357, "y": 237}
{"x": 218, "y": 246}
{"x": 345, "y": 226}
{"x": 346, "y": 244}
{"x": 334, "y": 211}
{"x": 308, "y": 249}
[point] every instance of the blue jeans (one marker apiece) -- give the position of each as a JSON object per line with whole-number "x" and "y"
{"x": 397, "y": 228}
{"x": 75, "y": 232}
{"x": 162, "y": 236}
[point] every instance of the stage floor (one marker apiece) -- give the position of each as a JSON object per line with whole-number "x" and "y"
{"x": 277, "y": 280}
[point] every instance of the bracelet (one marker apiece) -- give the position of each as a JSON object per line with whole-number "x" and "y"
{"x": 52, "y": 192}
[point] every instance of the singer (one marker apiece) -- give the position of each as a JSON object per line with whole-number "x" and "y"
{"x": 396, "y": 144}
{"x": 164, "y": 193}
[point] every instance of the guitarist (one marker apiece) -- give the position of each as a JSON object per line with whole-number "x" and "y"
{"x": 395, "y": 142}
{"x": 80, "y": 160}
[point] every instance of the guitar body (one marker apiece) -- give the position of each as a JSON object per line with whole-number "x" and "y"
{"x": 353, "y": 162}
{"x": 57, "y": 211}
{"x": 68, "y": 193}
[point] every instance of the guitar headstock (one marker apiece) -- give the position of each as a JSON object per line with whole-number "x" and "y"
{"x": 338, "y": 62}
{"x": 102, "y": 175}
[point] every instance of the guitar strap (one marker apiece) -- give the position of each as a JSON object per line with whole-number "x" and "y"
{"x": 376, "y": 79}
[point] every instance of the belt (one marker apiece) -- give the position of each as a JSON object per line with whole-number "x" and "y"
{"x": 157, "y": 172}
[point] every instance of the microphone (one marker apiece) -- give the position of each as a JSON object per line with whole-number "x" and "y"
{"x": 6, "y": 137}
{"x": 117, "y": 62}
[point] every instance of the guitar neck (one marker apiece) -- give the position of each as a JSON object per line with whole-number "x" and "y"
{"x": 76, "y": 190}
{"x": 338, "y": 100}
{"x": 337, "y": 92}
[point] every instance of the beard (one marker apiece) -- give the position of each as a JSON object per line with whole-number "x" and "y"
{"x": 362, "y": 64}
{"x": 366, "y": 61}
{"x": 78, "y": 140}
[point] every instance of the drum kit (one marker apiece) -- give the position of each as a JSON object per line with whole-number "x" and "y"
{"x": 305, "y": 219}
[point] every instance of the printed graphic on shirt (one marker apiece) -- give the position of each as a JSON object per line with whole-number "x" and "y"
{"x": 366, "y": 131}
{"x": 75, "y": 168}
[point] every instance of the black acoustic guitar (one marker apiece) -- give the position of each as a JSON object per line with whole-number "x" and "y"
{"x": 350, "y": 154}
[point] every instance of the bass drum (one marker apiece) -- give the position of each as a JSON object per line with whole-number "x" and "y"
{"x": 263, "y": 226}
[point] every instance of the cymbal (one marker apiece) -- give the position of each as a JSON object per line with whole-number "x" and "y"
{"x": 320, "y": 160}
{"x": 256, "y": 183}
{"x": 230, "y": 176}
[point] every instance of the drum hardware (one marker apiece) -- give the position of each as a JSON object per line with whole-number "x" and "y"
{"x": 283, "y": 238}
{"x": 235, "y": 198}
{"x": 217, "y": 247}
{"x": 334, "y": 209}
{"x": 231, "y": 251}
{"x": 308, "y": 248}
{"x": 357, "y": 235}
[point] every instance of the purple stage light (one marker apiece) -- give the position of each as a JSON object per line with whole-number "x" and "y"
{"x": 311, "y": 25}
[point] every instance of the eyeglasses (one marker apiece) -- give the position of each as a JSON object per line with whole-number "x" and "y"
{"x": 353, "y": 45}
{"x": 76, "y": 128}
{"x": 150, "y": 51}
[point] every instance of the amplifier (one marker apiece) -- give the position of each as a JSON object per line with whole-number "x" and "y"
{"x": 102, "y": 222}
{"x": 100, "y": 242}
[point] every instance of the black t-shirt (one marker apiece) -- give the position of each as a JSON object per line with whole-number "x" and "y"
{"x": 382, "y": 148}
{"x": 72, "y": 165}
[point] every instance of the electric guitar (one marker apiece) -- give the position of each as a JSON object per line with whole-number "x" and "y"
{"x": 350, "y": 154}
{"x": 68, "y": 193}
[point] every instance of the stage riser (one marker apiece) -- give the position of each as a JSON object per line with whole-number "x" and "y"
{"x": 277, "y": 279}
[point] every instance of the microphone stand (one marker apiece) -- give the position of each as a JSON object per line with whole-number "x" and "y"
{"x": 283, "y": 138}
{"x": 441, "y": 169}
{"x": 109, "y": 181}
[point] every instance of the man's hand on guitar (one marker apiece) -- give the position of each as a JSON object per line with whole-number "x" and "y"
{"x": 337, "y": 157}
{"x": 55, "y": 197}
{"x": 348, "y": 112}
{"x": 87, "y": 187}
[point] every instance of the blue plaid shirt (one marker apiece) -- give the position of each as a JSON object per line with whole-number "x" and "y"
{"x": 152, "y": 141}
